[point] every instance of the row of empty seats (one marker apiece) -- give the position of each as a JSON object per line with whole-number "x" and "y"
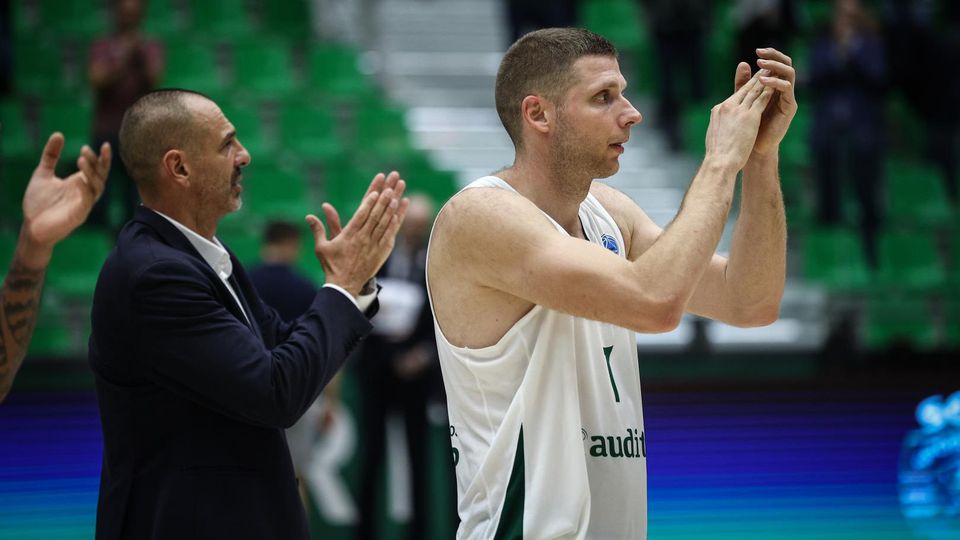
{"x": 205, "y": 19}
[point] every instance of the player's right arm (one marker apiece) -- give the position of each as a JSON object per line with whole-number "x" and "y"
{"x": 492, "y": 238}
{"x": 52, "y": 209}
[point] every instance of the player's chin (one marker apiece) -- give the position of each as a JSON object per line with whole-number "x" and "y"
{"x": 609, "y": 169}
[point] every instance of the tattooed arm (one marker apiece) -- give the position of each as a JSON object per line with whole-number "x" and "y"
{"x": 19, "y": 299}
{"x": 52, "y": 209}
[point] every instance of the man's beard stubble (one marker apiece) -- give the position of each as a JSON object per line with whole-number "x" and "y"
{"x": 572, "y": 165}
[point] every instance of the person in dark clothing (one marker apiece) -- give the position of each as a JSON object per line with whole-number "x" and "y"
{"x": 196, "y": 377}
{"x": 679, "y": 29}
{"x": 122, "y": 67}
{"x": 917, "y": 46}
{"x": 284, "y": 289}
{"x": 279, "y": 284}
{"x": 528, "y": 15}
{"x": 764, "y": 23}
{"x": 848, "y": 78}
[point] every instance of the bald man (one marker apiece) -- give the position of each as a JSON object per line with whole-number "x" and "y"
{"x": 196, "y": 377}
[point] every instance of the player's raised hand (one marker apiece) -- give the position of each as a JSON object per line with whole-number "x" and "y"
{"x": 777, "y": 72}
{"x": 734, "y": 124}
{"x": 353, "y": 253}
{"x": 54, "y": 207}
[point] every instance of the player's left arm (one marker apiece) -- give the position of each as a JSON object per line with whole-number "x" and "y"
{"x": 746, "y": 289}
{"x": 717, "y": 296}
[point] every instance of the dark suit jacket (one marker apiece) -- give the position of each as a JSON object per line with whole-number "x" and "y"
{"x": 193, "y": 400}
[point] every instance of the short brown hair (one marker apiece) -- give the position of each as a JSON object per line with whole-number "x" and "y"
{"x": 539, "y": 63}
{"x": 281, "y": 232}
{"x": 159, "y": 121}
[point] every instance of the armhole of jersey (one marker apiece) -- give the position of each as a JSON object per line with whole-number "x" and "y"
{"x": 490, "y": 350}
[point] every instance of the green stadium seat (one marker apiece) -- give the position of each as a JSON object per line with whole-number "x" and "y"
{"x": 954, "y": 259}
{"x": 72, "y": 119}
{"x": 194, "y": 67}
{"x": 55, "y": 334}
{"x": 795, "y": 148}
{"x": 617, "y": 20}
{"x": 951, "y": 324}
{"x": 423, "y": 177}
{"x": 290, "y": 18}
{"x": 15, "y": 139}
{"x": 720, "y": 53}
{"x": 38, "y": 69}
{"x": 695, "y": 120}
{"x": 898, "y": 321}
{"x": 220, "y": 19}
{"x": 272, "y": 191}
{"x": 383, "y": 131}
{"x": 309, "y": 132}
{"x": 909, "y": 261}
{"x": 246, "y": 119}
{"x": 916, "y": 194}
{"x": 162, "y": 19}
{"x": 906, "y": 130}
{"x": 833, "y": 257}
{"x": 74, "y": 18}
{"x": 333, "y": 71}
{"x": 51, "y": 339}
{"x": 793, "y": 183}
{"x": 77, "y": 261}
{"x": 263, "y": 69}
{"x": 24, "y": 26}
{"x": 246, "y": 247}
{"x": 14, "y": 175}
{"x": 8, "y": 243}
{"x": 344, "y": 184}
{"x": 815, "y": 14}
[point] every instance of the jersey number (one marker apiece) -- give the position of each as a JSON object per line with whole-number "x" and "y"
{"x": 613, "y": 382}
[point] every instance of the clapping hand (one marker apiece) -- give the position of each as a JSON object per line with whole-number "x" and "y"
{"x": 54, "y": 207}
{"x": 777, "y": 72}
{"x": 353, "y": 254}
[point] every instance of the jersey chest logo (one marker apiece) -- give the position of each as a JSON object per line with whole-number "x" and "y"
{"x": 610, "y": 243}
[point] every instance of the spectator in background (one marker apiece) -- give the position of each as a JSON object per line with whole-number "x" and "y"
{"x": 52, "y": 209}
{"x": 763, "y": 23}
{"x": 848, "y": 77}
{"x": 284, "y": 289}
{"x": 918, "y": 49}
{"x": 679, "y": 29}
{"x": 122, "y": 67}
{"x": 279, "y": 284}
{"x": 398, "y": 370}
{"x": 528, "y": 15}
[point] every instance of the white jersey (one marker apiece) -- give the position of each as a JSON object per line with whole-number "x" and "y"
{"x": 547, "y": 425}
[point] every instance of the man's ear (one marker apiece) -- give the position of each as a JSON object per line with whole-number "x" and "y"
{"x": 538, "y": 113}
{"x": 174, "y": 167}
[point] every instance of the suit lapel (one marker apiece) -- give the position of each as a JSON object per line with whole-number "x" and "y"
{"x": 174, "y": 238}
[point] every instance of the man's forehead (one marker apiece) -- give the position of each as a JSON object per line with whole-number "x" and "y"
{"x": 209, "y": 114}
{"x": 597, "y": 70}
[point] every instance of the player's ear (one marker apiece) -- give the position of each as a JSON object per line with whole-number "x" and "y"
{"x": 537, "y": 112}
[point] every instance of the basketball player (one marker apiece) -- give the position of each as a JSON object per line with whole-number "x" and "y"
{"x": 541, "y": 276}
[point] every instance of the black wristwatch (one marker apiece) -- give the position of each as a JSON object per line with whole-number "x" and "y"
{"x": 369, "y": 287}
